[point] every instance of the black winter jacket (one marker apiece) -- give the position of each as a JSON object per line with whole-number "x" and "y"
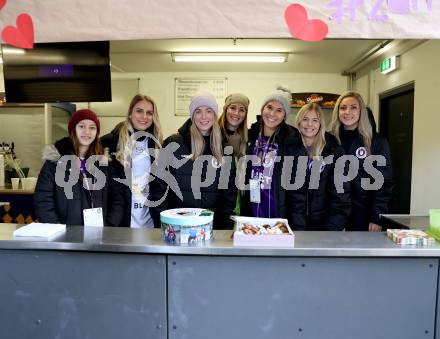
{"x": 367, "y": 205}
{"x": 328, "y": 210}
{"x": 220, "y": 200}
{"x": 290, "y": 204}
{"x": 110, "y": 142}
{"x": 51, "y": 203}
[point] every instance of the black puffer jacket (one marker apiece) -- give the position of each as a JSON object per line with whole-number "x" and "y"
{"x": 367, "y": 205}
{"x": 328, "y": 210}
{"x": 290, "y": 204}
{"x": 220, "y": 200}
{"x": 110, "y": 142}
{"x": 53, "y": 206}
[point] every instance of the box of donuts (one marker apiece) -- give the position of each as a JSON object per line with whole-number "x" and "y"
{"x": 266, "y": 232}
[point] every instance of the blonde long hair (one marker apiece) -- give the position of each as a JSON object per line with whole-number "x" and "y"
{"x": 125, "y": 142}
{"x": 198, "y": 143}
{"x": 319, "y": 141}
{"x": 364, "y": 125}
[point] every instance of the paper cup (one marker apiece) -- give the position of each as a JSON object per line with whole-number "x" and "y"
{"x": 15, "y": 182}
{"x": 29, "y": 183}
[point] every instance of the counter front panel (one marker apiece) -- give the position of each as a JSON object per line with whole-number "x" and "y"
{"x": 51, "y": 294}
{"x": 309, "y": 298}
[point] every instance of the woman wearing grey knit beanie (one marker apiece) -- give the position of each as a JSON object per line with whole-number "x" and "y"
{"x": 272, "y": 143}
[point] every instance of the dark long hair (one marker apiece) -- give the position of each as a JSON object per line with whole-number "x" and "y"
{"x": 242, "y": 130}
{"x": 95, "y": 148}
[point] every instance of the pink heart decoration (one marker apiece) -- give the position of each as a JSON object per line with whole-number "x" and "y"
{"x": 21, "y": 36}
{"x": 2, "y": 4}
{"x": 301, "y": 27}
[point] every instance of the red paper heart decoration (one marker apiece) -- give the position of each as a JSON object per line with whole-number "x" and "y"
{"x": 301, "y": 27}
{"x": 2, "y": 4}
{"x": 21, "y": 36}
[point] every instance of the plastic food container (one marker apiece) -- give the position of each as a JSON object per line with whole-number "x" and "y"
{"x": 187, "y": 226}
{"x": 434, "y": 218}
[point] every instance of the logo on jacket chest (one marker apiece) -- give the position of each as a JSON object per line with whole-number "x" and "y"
{"x": 321, "y": 165}
{"x": 361, "y": 153}
{"x": 140, "y": 149}
{"x": 215, "y": 163}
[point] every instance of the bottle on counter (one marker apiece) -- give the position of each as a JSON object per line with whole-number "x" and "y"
{"x": 2, "y": 170}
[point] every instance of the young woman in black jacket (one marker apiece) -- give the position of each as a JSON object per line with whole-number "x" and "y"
{"x": 68, "y": 188}
{"x": 327, "y": 209}
{"x": 233, "y": 125}
{"x": 352, "y": 128}
{"x": 133, "y": 159}
{"x": 272, "y": 192}
{"x": 205, "y": 176}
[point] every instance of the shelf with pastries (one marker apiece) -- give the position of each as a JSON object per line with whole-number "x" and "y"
{"x": 325, "y": 100}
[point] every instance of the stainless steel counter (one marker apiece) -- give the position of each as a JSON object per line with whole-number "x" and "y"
{"x": 332, "y": 285}
{"x": 307, "y": 244}
{"x": 420, "y": 222}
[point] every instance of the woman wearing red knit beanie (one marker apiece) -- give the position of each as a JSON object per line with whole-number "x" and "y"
{"x": 80, "y": 195}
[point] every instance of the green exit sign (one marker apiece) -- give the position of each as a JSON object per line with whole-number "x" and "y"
{"x": 388, "y": 65}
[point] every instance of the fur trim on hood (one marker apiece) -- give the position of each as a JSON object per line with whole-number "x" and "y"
{"x": 55, "y": 152}
{"x": 51, "y": 153}
{"x": 185, "y": 132}
{"x": 60, "y": 148}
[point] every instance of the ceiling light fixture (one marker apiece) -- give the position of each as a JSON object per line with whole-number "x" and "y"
{"x": 229, "y": 57}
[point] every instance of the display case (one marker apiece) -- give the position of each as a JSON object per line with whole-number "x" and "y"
{"x": 327, "y": 102}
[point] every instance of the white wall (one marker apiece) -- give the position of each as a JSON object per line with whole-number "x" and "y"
{"x": 362, "y": 86}
{"x": 2, "y": 82}
{"x": 160, "y": 86}
{"x": 421, "y": 65}
{"x": 26, "y": 128}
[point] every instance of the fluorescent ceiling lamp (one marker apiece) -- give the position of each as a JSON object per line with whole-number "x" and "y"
{"x": 13, "y": 50}
{"x": 229, "y": 57}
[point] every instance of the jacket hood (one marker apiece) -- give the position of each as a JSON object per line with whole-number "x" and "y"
{"x": 55, "y": 152}
{"x": 288, "y": 134}
{"x": 60, "y": 148}
{"x": 185, "y": 133}
{"x": 331, "y": 141}
{"x": 116, "y": 129}
{"x": 51, "y": 153}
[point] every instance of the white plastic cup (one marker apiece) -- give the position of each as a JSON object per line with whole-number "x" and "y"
{"x": 33, "y": 183}
{"x": 29, "y": 183}
{"x": 15, "y": 182}
{"x": 2, "y": 170}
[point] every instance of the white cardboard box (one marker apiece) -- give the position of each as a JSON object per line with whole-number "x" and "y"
{"x": 266, "y": 232}
{"x": 39, "y": 231}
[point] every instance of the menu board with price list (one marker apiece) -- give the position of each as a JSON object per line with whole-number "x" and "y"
{"x": 185, "y": 88}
